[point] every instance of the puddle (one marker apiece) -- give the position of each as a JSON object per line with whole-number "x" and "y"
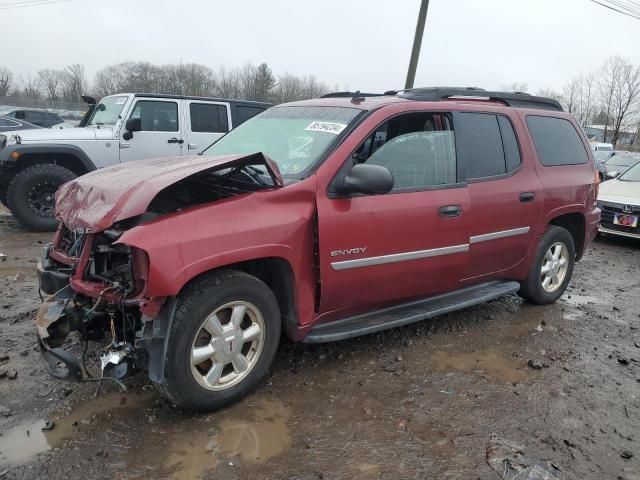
{"x": 576, "y": 300}
{"x": 487, "y": 362}
{"x": 252, "y": 432}
{"x": 24, "y": 441}
{"x": 440, "y": 445}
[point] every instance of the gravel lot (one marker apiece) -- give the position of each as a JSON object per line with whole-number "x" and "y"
{"x": 562, "y": 382}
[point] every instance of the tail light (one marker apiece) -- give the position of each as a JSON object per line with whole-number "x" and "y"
{"x": 596, "y": 188}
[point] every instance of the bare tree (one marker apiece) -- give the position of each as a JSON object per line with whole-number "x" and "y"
{"x": 550, "y": 93}
{"x": 227, "y": 83}
{"x": 50, "y": 81}
{"x": 515, "y": 87}
{"x": 30, "y": 86}
{"x": 5, "y": 81}
{"x": 626, "y": 99}
{"x": 74, "y": 82}
{"x": 608, "y": 78}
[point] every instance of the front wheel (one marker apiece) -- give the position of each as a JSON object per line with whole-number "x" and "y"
{"x": 223, "y": 338}
{"x": 30, "y": 195}
{"x": 552, "y": 267}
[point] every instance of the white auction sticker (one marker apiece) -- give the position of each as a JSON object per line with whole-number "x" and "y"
{"x": 327, "y": 127}
{"x": 121, "y": 100}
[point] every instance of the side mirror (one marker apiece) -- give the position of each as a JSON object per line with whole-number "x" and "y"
{"x": 612, "y": 174}
{"x": 132, "y": 125}
{"x": 368, "y": 179}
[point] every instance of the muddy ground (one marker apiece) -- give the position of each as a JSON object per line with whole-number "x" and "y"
{"x": 416, "y": 402}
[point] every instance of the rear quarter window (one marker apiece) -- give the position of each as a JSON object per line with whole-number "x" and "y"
{"x": 556, "y": 141}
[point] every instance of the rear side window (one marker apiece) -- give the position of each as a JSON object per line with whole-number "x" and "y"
{"x": 209, "y": 118}
{"x": 509, "y": 143}
{"x": 244, "y": 113}
{"x": 556, "y": 141}
{"x": 479, "y": 144}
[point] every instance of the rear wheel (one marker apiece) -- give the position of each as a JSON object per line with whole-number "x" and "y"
{"x": 552, "y": 268}
{"x": 30, "y": 195}
{"x": 223, "y": 338}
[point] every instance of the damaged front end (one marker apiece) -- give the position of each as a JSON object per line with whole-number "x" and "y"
{"x": 96, "y": 285}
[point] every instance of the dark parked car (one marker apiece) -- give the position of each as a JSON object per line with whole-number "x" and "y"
{"x": 620, "y": 162}
{"x": 9, "y": 124}
{"x": 37, "y": 117}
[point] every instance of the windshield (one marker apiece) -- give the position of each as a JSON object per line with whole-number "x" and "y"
{"x": 107, "y": 111}
{"x": 624, "y": 160}
{"x": 293, "y": 137}
{"x": 631, "y": 175}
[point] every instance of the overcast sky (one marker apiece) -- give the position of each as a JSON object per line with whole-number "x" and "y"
{"x": 361, "y": 44}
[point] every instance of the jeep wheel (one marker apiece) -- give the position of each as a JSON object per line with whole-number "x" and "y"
{"x": 3, "y": 197}
{"x": 223, "y": 338}
{"x": 552, "y": 267}
{"x": 30, "y": 195}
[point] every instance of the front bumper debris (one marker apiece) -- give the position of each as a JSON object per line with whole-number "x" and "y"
{"x": 52, "y": 328}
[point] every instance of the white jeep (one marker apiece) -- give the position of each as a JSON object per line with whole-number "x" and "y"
{"x": 122, "y": 127}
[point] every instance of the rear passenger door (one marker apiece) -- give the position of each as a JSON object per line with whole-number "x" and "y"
{"x": 161, "y": 134}
{"x": 206, "y": 122}
{"x": 505, "y": 192}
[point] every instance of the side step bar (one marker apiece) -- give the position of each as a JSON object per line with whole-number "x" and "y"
{"x": 409, "y": 312}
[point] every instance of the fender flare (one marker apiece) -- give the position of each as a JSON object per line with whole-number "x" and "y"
{"x": 155, "y": 340}
{"x": 46, "y": 148}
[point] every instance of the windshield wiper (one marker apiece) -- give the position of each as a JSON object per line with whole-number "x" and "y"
{"x": 255, "y": 174}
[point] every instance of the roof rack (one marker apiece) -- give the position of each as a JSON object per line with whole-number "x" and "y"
{"x": 511, "y": 99}
{"x": 350, "y": 94}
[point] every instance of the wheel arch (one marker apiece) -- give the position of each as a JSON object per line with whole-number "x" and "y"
{"x": 69, "y": 156}
{"x": 277, "y": 274}
{"x": 575, "y": 223}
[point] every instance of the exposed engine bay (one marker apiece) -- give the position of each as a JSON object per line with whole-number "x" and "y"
{"x": 96, "y": 285}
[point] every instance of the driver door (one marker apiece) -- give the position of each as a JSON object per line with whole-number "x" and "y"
{"x": 161, "y": 130}
{"x": 409, "y": 243}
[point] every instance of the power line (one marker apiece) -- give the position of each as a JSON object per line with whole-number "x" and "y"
{"x": 632, "y": 8}
{"x": 637, "y": 17}
{"x": 29, "y": 3}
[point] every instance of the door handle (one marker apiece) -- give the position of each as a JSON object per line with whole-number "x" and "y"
{"x": 449, "y": 211}
{"x": 175, "y": 140}
{"x": 527, "y": 197}
{"x": 192, "y": 146}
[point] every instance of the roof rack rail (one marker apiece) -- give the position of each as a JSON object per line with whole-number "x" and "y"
{"x": 511, "y": 99}
{"x": 350, "y": 94}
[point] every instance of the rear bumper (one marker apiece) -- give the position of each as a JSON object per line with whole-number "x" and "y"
{"x": 592, "y": 223}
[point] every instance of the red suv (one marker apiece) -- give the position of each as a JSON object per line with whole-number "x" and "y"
{"x": 323, "y": 219}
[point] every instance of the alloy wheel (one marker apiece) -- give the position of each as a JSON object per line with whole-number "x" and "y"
{"x": 227, "y": 345}
{"x": 554, "y": 267}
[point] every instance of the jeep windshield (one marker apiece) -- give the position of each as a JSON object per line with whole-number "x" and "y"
{"x": 295, "y": 138}
{"x": 107, "y": 111}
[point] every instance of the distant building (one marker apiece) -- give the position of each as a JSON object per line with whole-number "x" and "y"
{"x": 596, "y": 133}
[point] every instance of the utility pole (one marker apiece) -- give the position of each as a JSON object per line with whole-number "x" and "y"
{"x": 417, "y": 43}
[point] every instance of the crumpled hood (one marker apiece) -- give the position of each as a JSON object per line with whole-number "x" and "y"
{"x": 98, "y": 199}
{"x": 57, "y": 134}
{"x": 619, "y": 191}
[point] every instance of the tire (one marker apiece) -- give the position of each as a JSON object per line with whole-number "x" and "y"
{"x": 532, "y": 289}
{"x": 3, "y": 197}
{"x": 184, "y": 383}
{"x": 30, "y": 195}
